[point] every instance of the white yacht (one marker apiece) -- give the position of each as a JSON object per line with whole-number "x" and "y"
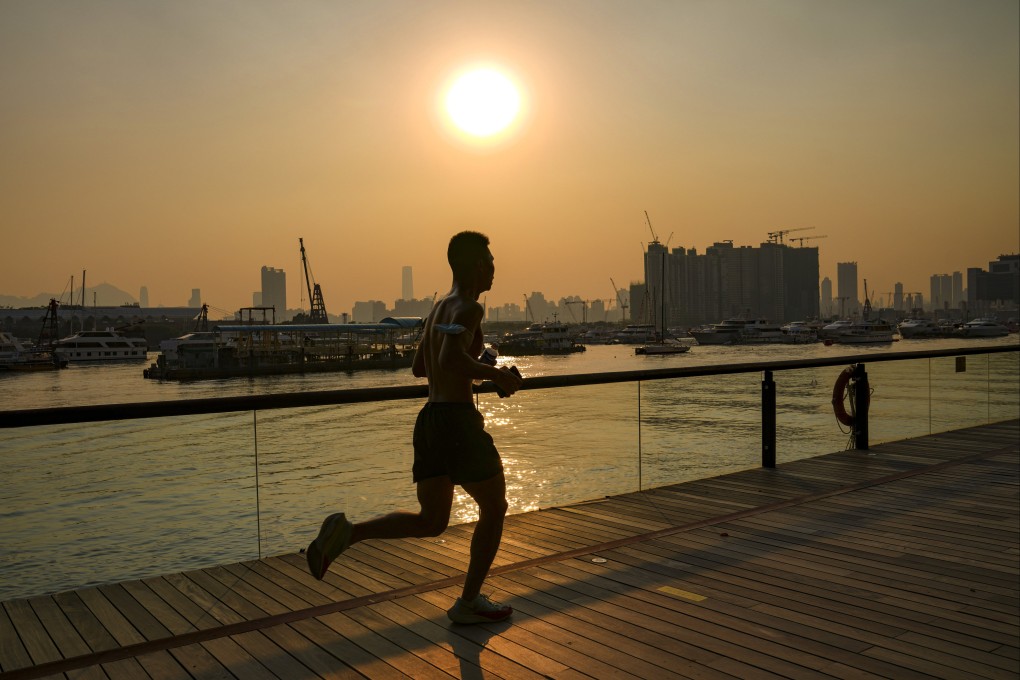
{"x": 983, "y": 328}
{"x": 919, "y": 328}
{"x": 865, "y": 331}
{"x": 723, "y": 333}
{"x": 636, "y": 334}
{"x": 108, "y": 345}
{"x": 15, "y": 356}
{"x": 830, "y": 331}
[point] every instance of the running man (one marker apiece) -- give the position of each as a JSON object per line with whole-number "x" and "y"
{"x": 451, "y": 446}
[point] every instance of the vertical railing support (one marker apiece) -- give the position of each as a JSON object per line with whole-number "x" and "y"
{"x": 768, "y": 421}
{"x": 862, "y": 402}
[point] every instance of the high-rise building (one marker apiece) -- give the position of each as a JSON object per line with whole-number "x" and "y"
{"x": 682, "y": 288}
{"x": 274, "y": 291}
{"x": 997, "y": 288}
{"x": 957, "y": 290}
{"x": 256, "y": 299}
{"x": 196, "y": 298}
{"x": 898, "y": 297}
{"x": 143, "y": 297}
{"x": 846, "y": 289}
{"x": 406, "y": 284}
{"x": 826, "y": 301}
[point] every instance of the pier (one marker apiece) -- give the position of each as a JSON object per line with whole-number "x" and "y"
{"x": 899, "y": 561}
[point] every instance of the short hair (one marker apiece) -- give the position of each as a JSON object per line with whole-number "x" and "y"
{"x": 465, "y": 250}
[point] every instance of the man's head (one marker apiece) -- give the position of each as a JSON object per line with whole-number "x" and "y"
{"x": 470, "y": 259}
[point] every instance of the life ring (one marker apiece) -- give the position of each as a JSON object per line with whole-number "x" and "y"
{"x": 839, "y": 391}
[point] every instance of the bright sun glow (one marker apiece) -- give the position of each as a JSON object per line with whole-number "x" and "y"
{"x": 482, "y": 102}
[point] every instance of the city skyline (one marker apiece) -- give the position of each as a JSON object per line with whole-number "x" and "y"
{"x": 187, "y": 145}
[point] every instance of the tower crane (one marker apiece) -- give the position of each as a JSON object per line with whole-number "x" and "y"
{"x": 619, "y": 301}
{"x": 584, "y": 309}
{"x": 800, "y": 240}
{"x": 777, "y": 236}
{"x": 655, "y": 237}
{"x": 318, "y": 306}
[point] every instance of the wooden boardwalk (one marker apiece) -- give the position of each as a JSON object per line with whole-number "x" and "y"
{"x": 901, "y": 562}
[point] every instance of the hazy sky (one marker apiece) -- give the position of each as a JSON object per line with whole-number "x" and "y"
{"x": 185, "y": 144}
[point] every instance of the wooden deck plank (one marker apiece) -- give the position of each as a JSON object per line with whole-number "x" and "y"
{"x": 897, "y": 562}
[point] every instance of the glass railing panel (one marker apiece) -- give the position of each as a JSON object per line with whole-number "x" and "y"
{"x": 806, "y": 425}
{"x": 900, "y": 406}
{"x": 698, "y": 427}
{"x": 558, "y": 446}
{"x": 959, "y": 392}
{"x": 99, "y": 502}
{"x": 1002, "y": 374}
{"x": 314, "y": 461}
{"x": 565, "y": 445}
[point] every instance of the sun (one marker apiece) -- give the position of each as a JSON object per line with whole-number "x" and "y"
{"x": 483, "y": 102}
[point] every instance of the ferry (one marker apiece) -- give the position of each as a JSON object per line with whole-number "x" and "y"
{"x": 94, "y": 346}
{"x": 540, "y": 338}
{"x": 866, "y": 331}
{"x": 242, "y": 349}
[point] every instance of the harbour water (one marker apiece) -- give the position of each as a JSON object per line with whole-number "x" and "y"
{"x": 101, "y": 502}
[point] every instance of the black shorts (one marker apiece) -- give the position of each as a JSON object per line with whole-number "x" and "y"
{"x": 450, "y": 439}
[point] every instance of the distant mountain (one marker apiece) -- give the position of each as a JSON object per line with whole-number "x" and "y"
{"x": 106, "y": 295}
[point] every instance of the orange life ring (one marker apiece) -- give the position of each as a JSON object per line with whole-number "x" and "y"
{"x": 839, "y": 396}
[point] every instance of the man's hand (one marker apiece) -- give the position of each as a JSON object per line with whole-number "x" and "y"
{"x": 508, "y": 381}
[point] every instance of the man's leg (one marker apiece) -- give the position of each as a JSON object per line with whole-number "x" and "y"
{"x": 435, "y": 498}
{"x": 492, "y": 506}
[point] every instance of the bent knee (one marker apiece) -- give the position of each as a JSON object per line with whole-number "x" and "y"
{"x": 430, "y": 527}
{"x": 494, "y": 507}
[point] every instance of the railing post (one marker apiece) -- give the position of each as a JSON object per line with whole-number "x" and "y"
{"x": 862, "y": 402}
{"x": 768, "y": 421}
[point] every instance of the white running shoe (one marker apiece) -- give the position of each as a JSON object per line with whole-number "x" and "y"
{"x": 482, "y": 610}
{"x": 334, "y": 537}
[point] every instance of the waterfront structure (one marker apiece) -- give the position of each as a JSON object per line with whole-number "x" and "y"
{"x": 846, "y": 288}
{"x": 274, "y": 291}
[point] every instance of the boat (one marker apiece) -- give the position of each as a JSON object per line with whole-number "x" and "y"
{"x": 244, "y": 350}
{"x": 830, "y": 331}
{"x": 94, "y": 346}
{"x": 635, "y": 334}
{"x": 599, "y": 336}
{"x": 762, "y": 332}
{"x": 723, "y": 333}
{"x": 982, "y": 328}
{"x": 920, "y": 328}
{"x": 15, "y": 356}
{"x": 865, "y": 331}
{"x": 667, "y": 346}
{"x": 540, "y": 338}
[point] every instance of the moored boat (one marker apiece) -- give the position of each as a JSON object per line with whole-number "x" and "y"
{"x": 667, "y": 346}
{"x": 16, "y": 356}
{"x": 94, "y": 346}
{"x": 540, "y": 338}
{"x": 866, "y": 331}
{"x": 982, "y": 328}
{"x": 919, "y": 328}
{"x": 723, "y": 333}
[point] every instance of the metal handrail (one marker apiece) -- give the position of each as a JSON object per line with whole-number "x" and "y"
{"x": 62, "y": 415}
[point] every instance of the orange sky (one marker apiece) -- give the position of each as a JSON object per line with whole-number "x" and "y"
{"x": 186, "y": 144}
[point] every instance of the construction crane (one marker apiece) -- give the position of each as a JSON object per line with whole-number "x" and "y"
{"x": 800, "y": 240}
{"x": 318, "y": 306}
{"x": 655, "y": 237}
{"x": 777, "y": 236}
{"x": 619, "y": 300}
{"x": 584, "y": 309}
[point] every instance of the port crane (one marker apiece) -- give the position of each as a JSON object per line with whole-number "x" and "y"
{"x": 619, "y": 300}
{"x": 318, "y": 305}
{"x": 777, "y": 236}
{"x": 584, "y": 309}
{"x": 800, "y": 239}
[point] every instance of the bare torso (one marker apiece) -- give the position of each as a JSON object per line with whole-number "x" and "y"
{"x": 450, "y": 359}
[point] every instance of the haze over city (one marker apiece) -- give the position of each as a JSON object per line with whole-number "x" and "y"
{"x": 186, "y": 145}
